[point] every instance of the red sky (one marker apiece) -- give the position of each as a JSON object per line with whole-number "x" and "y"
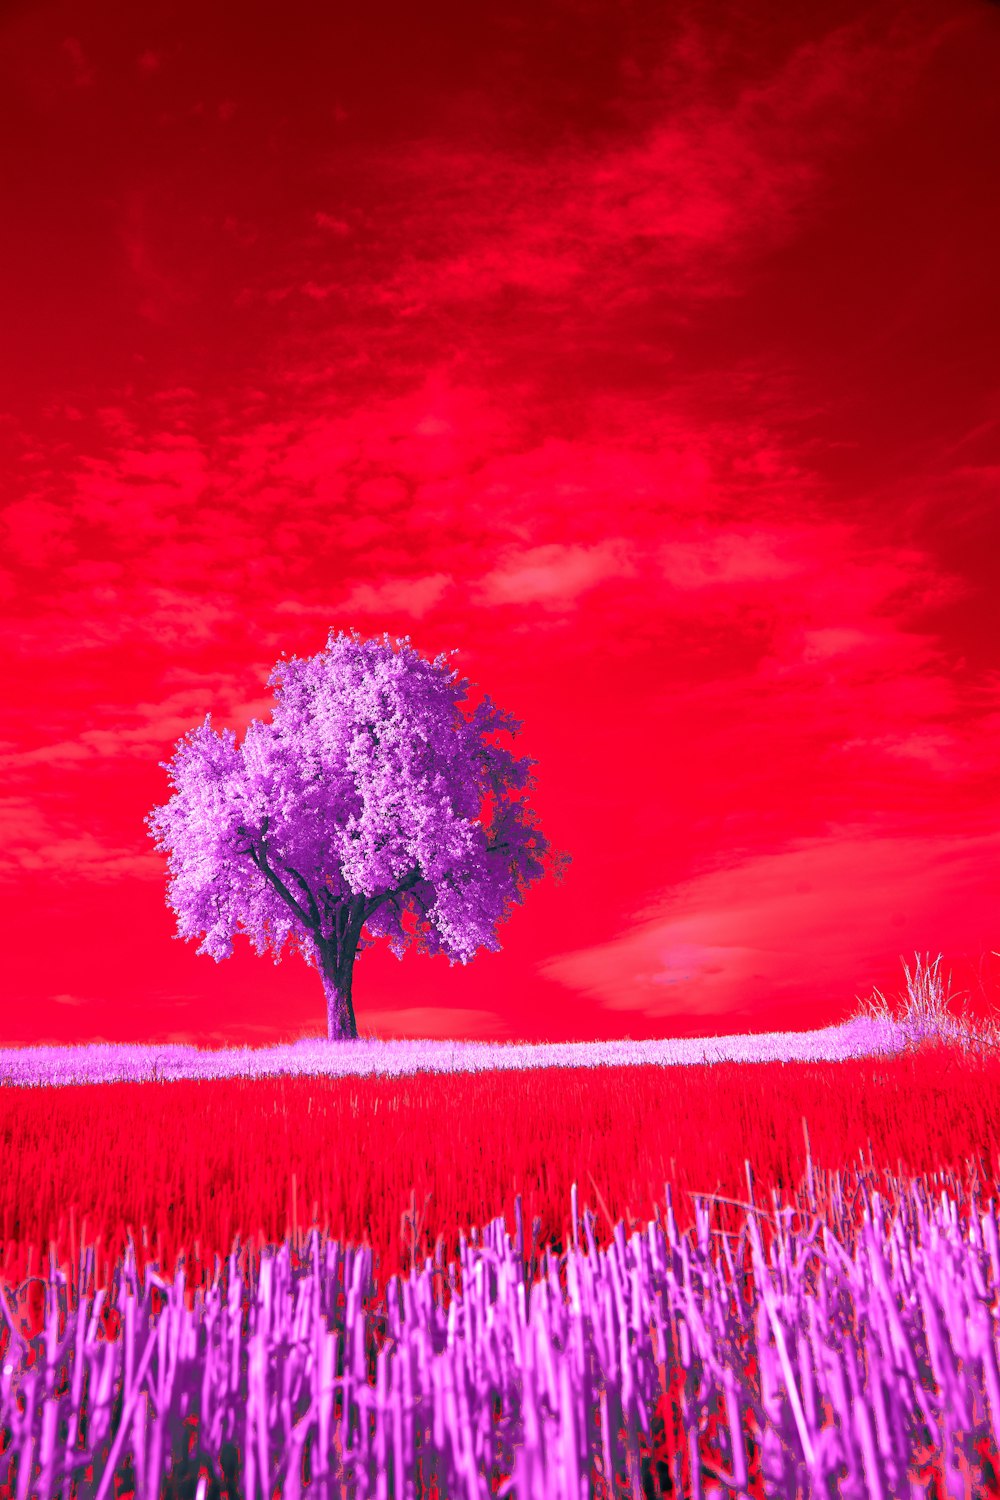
{"x": 645, "y": 353}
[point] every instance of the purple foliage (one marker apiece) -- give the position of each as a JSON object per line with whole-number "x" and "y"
{"x": 370, "y": 796}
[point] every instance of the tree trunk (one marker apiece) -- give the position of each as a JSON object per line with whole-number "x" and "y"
{"x": 340, "y": 1023}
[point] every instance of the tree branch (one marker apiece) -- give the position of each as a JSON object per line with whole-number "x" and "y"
{"x": 374, "y": 902}
{"x": 423, "y": 905}
{"x": 260, "y": 860}
{"x": 349, "y": 915}
{"x": 313, "y": 908}
{"x": 502, "y": 809}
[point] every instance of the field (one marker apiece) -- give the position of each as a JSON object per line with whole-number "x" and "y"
{"x": 727, "y": 1277}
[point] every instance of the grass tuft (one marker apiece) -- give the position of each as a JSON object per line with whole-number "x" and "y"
{"x": 924, "y": 1015}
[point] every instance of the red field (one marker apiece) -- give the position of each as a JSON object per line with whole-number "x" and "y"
{"x": 410, "y": 1165}
{"x": 397, "y": 1163}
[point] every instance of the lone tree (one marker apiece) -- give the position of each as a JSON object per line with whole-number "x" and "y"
{"x": 370, "y": 806}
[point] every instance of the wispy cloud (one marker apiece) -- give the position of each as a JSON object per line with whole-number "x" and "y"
{"x": 82, "y": 72}
{"x": 766, "y": 930}
{"x": 707, "y": 179}
{"x": 554, "y": 576}
{"x": 408, "y": 596}
{"x": 31, "y": 842}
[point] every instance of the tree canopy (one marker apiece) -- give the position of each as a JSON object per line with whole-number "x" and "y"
{"x": 370, "y": 806}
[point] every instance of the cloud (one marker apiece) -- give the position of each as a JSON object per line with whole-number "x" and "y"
{"x": 331, "y": 223}
{"x": 635, "y": 529}
{"x": 397, "y": 596}
{"x": 942, "y": 755}
{"x": 712, "y": 556}
{"x": 552, "y": 575}
{"x": 37, "y": 532}
{"x": 31, "y": 841}
{"x": 159, "y": 289}
{"x": 166, "y": 620}
{"x": 704, "y": 180}
{"x": 83, "y": 73}
{"x": 767, "y": 929}
{"x": 143, "y": 731}
{"x": 136, "y": 492}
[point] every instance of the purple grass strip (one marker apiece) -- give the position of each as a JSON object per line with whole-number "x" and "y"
{"x": 870, "y": 1341}
{"x": 51, "y": 1067}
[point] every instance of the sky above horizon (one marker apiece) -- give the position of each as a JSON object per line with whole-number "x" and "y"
{"x": 645, "y": 354}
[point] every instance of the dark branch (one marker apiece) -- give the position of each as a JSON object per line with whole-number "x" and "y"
{"x": 422, "y": 904}
{"x": 260, "y": 860}
{"x": 313, "y": 908}
{"x": 502, "y": 809}
{"x": 349, "y": 914}
{"x": 373, "y": 903}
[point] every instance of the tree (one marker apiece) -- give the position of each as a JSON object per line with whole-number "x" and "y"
{"x": 370, "y": 806}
